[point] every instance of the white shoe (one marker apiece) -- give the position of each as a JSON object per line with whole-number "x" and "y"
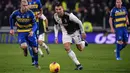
{"x": 115, "y": 50}
{"x": 118, "y": 58}
{"x": 42, "y": 55}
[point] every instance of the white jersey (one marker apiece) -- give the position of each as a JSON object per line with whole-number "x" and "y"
{"x": 42, "y": 17}
{"x": 69, "y": 23}
{"x": 70, "y": 26}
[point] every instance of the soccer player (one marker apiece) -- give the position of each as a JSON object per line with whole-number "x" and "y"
{"x": 43, "y": 27}
{"x": 71, "y": 27}
{"x": 36, "y": 7}
{"x": 26, "y": 26}
{"x": 118, "y": 23}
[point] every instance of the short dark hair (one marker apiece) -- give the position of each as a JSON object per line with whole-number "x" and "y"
{"x": 58, "y": 4}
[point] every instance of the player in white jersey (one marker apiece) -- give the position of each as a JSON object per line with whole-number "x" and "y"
{"x": 71, "y": 28}
{"x": 43, "y": 23}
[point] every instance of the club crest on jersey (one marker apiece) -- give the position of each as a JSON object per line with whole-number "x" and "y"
{"x": 29, "y": 3}
{"x": 18, "y": 17}
{"x": 116, "y": 11}
{"x": 34, "y": 2}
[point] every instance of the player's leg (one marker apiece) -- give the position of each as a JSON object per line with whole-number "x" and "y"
{"x": 125, "y": 39}
{"x": 31, "y": 54}
{"x": 30, "y": 51}
{"x": 80, "y": 44}
{"x": 22, "y": 42}
{"x": 67, "y": 40}
{"x": 119, "y": 43}
{"x": 34, "y": 45}
{"x": 39, "y": 47}
{"x": 40, "y": 51}
{"x": 42, "y": 43}
{"x": 24, "y": 47}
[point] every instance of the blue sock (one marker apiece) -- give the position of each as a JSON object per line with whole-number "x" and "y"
{"x": 30, "y": 51}
{"x": 118, "y": 47}
{"x": 123, "y": 46}
{"x": 36, "y": 58}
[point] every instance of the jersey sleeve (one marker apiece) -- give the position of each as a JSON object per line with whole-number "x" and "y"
{"x": 43, "y": 17}
{"x": 73, "y": 18}
{"x": 55, "y": 23}
{"x": 12, "y": 19}
{"x": 39, "y": 4}
{"x": 126, "y": 11}
{"x": 56, "y": 27}
{"x": 112, "y": 13}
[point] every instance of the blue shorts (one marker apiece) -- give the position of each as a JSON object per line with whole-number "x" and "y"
{"x": 30, "y": 40}
{"x": 122, "y": 34}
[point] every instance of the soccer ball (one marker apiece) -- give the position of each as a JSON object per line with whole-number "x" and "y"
{"x": 54, "y": 67}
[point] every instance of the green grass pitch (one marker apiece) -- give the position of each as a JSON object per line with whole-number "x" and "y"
{"x": 95, "y": 59}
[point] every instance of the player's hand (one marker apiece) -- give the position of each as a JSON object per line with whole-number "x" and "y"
{"x": 11, "y": 32}
{"x": 112, "y": 30}
{"x": 30, "y": 33}
{"x": 38, "y": 15}
{"x": 83, "y": 35}
{"x": 56, "y": 40}
{"x": 127, "y": 22}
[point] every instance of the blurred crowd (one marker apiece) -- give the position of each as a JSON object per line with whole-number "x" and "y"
{"x": 94, "y": 11}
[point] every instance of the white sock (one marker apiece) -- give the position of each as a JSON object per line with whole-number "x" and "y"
{"x": 73, "y": 57}
{"x": 82, "y": 44}
{"x": 44, "y": 45}
{"x": 39, "y": 50}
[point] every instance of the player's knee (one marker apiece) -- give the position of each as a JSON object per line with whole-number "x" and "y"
{"x": 35, "y": 50}
{"x": 67, "y": 47}
{"x": 40, "y": 42}
{"x": 35, "y": 53}
{"x": 79, "y": 47}
{"x": 24, "y": 45}
{"x": 120, "y": 42}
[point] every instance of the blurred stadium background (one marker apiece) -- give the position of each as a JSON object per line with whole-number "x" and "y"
{"x": 98, "y": 57}
{"x": 95, "y": 12}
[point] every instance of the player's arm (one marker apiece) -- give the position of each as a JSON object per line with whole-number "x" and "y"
{"x": 75, "y": 19}
{"x": 56, "y": 29}
{"x": 111, "y": 21}
{"x": 46, "y": 23}
{"x": 40, "y": 8}
{"x": 127, "y": 20}
{"x": 43, "y": 17}
{"x": 111, "y": 24}
{"x": 34, "y": 25}
{"x": 12, "y": 21}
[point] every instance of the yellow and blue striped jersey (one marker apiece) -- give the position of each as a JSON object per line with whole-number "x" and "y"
{"x": 35, "y": 6}
{"x": 119, "y": 17}
{"x": 25, "y": 22}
